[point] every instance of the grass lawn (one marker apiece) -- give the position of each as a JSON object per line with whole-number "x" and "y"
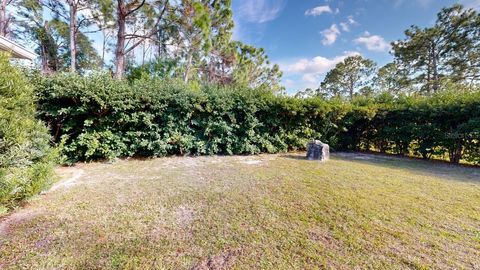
{"x": 267, "y": 211}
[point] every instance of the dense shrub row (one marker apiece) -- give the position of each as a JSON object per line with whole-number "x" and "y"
{"x": 100, "y": 118}
{"x": 444, "y": 125}
{"x": 25, "y": 153}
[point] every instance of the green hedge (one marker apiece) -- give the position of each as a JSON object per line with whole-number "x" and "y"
{"x": 25, "y": 153}
{"x": 444, "y": 126}
{"x": 100, "y": 118}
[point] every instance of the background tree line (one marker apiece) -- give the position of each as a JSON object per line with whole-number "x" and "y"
{"x": 425, "y": 62}
{"x": 192, "y": 40}
{"x": 187, "y": 39}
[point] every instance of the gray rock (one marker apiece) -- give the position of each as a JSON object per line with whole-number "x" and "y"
{"x": 316, "y": 150}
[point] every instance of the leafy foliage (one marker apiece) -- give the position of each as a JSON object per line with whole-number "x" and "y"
{"x": 25, "y": 153}
{"x": 102, "y": 118}
{"x": 349, "y": 77}
{"x": 392, "y": 80}
{"x": 253, "y": 69}
{"x": 446, "y": 51}
{"x": 445, "y": 124}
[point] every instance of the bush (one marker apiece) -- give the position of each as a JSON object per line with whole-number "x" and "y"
{"x": 446, "y": 124}
{"x": 25, "y": 153}
{"x": 101, "y": 118}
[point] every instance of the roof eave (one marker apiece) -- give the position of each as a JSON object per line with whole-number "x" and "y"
{"x": 16, "y": 50}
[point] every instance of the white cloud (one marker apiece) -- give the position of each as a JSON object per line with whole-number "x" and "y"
{"x": 373, "y": 42}
{"x": 346, "y": 25}
{"x": 289, "y": 83}
{"x": 250, "y": 17}
{"x": 316, "y": 66}
{"x": 317, "y": 11}
{"x": 351, "y": 21}
{"x": 310, "y": 78}
{"x": 310, "y": 71}
{"x": 330, "y": 35}
{"x": 260, "y": 11}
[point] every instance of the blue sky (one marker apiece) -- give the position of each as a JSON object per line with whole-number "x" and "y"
{"x": 308, "y": 37}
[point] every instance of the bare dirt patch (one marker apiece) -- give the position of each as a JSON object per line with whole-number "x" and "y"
{"x": 252, "y": 162}
{"x": 184, "y": 215}
{"x": 325, "y": 238}
{"x": 73, "y": 175}
{"x": 224, "y": 260}
{"x": 18, "y": 218}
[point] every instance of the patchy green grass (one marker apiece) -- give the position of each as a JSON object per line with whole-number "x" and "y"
{"x": 268, "y": 211}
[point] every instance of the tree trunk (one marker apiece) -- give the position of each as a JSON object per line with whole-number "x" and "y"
{"x": 383, "y": 147}
{"x": 120, "y": 48}
{"x": 49, "y": 62}
{"x": 144, "y": 51}
{"x": 104, "y": 44}
{"x": 3, "y": 19}
{"x": 186, "y": 75}
{"x": 73, "y": 36}
{"x": 429, "y": 80}
{"x": 456, "y": 152}
{"x": 123, "y": 11}
{"x": 351, "y": 89}
{"x": 44, "y": 58}
{"x": 436, "y": 82}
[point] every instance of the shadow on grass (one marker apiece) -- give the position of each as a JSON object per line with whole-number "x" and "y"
{"x": 424, "y": 167}
{"x": 295, "y": 156}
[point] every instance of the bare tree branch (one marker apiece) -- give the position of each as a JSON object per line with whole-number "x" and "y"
{"x": 134, "y": 9}
{"x": 152, "y": 31}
